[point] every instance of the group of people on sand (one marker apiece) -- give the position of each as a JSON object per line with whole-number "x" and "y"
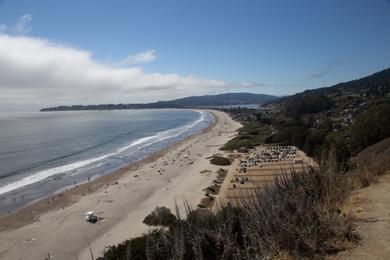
{"x": 183, "y": 157}
{"x": 268, "y": 154}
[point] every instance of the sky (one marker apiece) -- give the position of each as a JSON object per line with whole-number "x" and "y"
{"x": 96, "y": 51}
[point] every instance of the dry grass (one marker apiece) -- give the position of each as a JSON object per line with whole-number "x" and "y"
{"x": 371, "y": 163}
{"x": 300, "y": 215}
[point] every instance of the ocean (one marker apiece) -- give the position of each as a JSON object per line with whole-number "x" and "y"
{"x": 44, "y": 153}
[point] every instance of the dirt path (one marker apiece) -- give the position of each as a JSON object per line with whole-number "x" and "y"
{"x": 372, "y": 209}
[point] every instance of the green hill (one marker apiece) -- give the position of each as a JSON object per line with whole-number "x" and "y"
{"x": 343, "y": 102}
{"x": 227, "y": 99}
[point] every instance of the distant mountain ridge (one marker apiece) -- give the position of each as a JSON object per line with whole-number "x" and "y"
{"x": 225, "y": 99}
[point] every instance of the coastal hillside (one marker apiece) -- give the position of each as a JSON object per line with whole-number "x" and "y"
{"x": 343, "y": 101}
{"x": 226, "y": 99}
{"x": 346, "y": 117}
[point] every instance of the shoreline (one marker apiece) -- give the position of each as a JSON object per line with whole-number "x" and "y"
{"x": 54, "y": 212}
{"x": 65, "y": 198}
{"x": 129, "y": 165}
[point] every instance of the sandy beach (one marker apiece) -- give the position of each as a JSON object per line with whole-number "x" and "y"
{"x": 56, "y": 226}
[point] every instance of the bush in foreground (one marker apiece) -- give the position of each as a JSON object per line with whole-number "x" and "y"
{"x": 161, "y": 216}
{"x": 130, "y": 249}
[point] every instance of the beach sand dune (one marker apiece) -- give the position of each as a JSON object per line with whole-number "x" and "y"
{"x": 55, "y": 226}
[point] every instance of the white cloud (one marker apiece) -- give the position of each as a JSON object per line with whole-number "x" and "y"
{"x": 38, "y": 71}
{"x": 23, "y": 24}
{"x": 251, "y": 84}
{"x": 142, "y": 57}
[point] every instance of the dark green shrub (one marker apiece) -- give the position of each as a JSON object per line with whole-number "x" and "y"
{"x": 219, "y": 160}
{"x": 371, "y": 127}
{"x": 134, "y": 249}
{"x": 161, "y": 216}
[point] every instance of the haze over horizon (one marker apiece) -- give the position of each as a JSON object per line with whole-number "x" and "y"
{"x": 60, "y": 53}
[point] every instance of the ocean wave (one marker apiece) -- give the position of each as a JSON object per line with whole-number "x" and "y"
{"x": 141, "y": 143}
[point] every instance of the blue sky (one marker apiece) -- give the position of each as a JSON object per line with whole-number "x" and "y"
{"x": 280, "y": 47}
